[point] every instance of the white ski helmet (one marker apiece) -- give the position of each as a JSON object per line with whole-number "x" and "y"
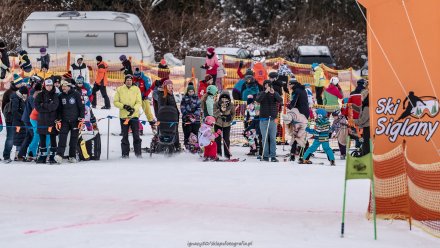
{"x": 334, "y": 80}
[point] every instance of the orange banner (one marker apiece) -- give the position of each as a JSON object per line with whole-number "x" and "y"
{"x": 404, "y": 76}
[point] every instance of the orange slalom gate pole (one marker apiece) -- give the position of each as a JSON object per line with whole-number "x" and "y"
{"x": 68, "y": 61}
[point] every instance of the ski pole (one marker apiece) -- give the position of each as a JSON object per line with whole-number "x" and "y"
{"x": 265, "y": 139}
{"x": 108, "y": 136}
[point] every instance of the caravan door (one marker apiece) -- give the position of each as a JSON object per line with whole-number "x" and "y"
{"x": 62, "y": 44}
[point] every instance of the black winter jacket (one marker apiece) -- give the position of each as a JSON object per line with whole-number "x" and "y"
{"x": 269, "y": 104}
{"x": 300, "y": 101}
{"x": 70, "y": 106}
{"x": 46, "y": 103}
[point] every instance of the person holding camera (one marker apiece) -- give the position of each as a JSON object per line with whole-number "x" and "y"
{"x": 269, "y": 100}
{"x": 224, "y": 113}
{"x": 128, "y": 100}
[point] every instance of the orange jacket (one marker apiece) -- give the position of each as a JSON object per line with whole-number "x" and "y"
{"x": 101, "y": 75}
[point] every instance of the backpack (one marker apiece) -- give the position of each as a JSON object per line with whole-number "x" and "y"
{"x": 7, "y": 112}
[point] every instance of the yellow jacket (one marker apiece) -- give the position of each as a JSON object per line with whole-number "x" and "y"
{"x": 319, "y": 78}
{"x": 128, "y": 96}
{"x": 44, "y": 75}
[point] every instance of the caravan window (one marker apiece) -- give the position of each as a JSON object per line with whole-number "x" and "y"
{"x": 121, "y": 39}
{"x": 37, "y": 40}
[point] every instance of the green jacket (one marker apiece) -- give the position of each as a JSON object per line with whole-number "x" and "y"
{"x": 128, "y": 96}
{"x": 319, "y": 78}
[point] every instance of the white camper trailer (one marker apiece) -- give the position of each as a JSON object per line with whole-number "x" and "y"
{"x": 89, "y": 33}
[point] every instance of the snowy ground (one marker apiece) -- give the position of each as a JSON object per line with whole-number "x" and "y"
{"x": 175, "y": 202}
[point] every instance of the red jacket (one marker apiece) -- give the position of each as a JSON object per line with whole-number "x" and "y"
{"x": 202, "y": 88}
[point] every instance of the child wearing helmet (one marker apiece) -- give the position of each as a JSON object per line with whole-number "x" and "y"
{"x": 207, "y": 139}
{"x": 321, "y": 133}
{"x": 332, "y": 95}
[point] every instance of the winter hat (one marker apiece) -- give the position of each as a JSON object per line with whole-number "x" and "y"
{"x": 249, "y": 72}
{"x": 65, "y": 83}
{"x": 267, "y": 81}
{"x": 190, "y": 87}
{"x": 57, "y": 79}
{"x": 67, "y": 74}
{"x": 22, "y": 52}
{"x": 23, "y": 90}
{"x": 128, "y": 76}
{"x": 2, "y": 45}
{"x": 273, "y": 74}
{"x": 248, "y": 77}
{"x": 48, "y": 82}
{"x": 122, "y": 58}
{"x": 293, "y": 81}
{"x": 79, "y": 80}
{"x": 361, "y": 82}
{"x": 43, "y": 50}
{"x": 163, "y": 62}
{"x": 210, "y": 50}
{"x": 307, "y": 85}
{"x": 137, "y": 72}
{"x": 321, "y": 113}
{"x": 167, "y": 82}
{"x": 17, "y": 79}
{"x": 212, "y": 89}
{"x": 334, "y": 80}
{"x": 99, "y": 58}
{"x": 314, "y": 65}
{"x": 209, "y": 120}
{"x": 208, "y": 77}
{"x": 35, "y": 79}
{"x": 250, "y": 99}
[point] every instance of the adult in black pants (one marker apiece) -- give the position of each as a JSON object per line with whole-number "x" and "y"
{"x": 100, "y": 83}
{"x": 190, "y": 108}
{"x": 128, "y": 100}
{"x": 71, "y": 114}
{"x": 224, "y": 113}
{"x": 46, "y": 103}
{"x": 29, "y": 106}
{"x": 166, "y": 98}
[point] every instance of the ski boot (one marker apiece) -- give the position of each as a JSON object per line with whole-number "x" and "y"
{"x": 42, "y": 156}
{"x": 72, "y": 160}
{"x": 332, "y": 163}
{"x": 52, "y": 153}
{"x": 58, "y": 159}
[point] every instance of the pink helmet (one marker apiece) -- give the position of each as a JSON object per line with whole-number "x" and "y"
{"x": 209, "y": 120}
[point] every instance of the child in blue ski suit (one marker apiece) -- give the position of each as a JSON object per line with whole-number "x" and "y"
{"x": 321, "y": 133}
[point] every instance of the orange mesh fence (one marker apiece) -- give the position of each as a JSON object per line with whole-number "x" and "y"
{"x": 406, "y": 190}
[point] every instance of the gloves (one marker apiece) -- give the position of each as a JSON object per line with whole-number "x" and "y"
{"x": 219, "y": 132}
{"x": 204, "y": 67}
{"x": 126, "y": 107}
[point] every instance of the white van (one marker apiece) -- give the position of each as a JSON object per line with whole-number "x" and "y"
{"x": 90, "y": 33}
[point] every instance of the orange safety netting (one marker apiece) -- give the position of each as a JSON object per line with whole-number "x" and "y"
{"x": 406, "y": 190}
